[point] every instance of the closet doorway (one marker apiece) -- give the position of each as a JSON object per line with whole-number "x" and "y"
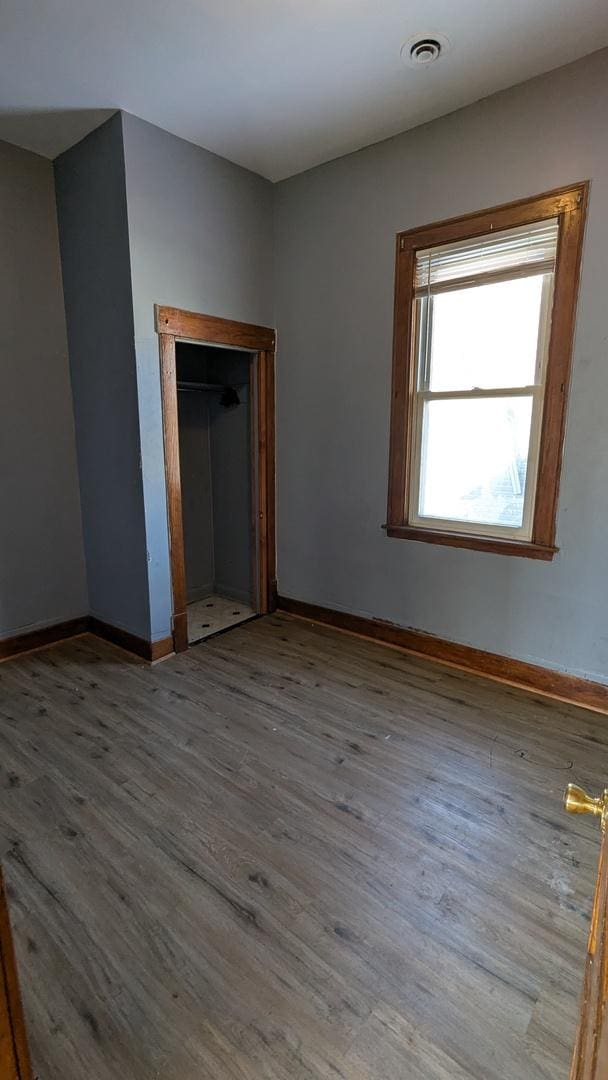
{"x": 217, "y": 381}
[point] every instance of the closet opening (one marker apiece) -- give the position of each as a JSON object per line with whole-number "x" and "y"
{"x": 217, "y": 382}
{"x": 215, "y": 453}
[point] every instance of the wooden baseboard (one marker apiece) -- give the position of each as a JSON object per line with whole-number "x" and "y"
{"x": 148, "y": 650}
{"x": 50, "y": 635}
{"x": 40, "y": 639}
{"x": 539, "y": 680}
{"x": 161, "y": 649}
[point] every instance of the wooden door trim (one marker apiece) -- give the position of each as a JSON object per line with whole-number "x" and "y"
{"x": 192, "y": 326}
{"x": 174, "y": 324}
{"x": 15, "y": 1063}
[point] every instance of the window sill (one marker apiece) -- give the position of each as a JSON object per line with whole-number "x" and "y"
{"x": 523, "y": 548}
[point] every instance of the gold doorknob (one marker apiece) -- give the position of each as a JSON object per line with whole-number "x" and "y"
{"x": 577, "y": 801}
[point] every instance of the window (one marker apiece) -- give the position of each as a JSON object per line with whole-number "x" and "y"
{"x": 484, "y": 318}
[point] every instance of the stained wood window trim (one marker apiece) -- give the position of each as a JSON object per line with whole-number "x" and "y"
{"x": 568, "y": 205}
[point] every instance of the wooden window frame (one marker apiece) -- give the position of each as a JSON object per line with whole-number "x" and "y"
{"x": 569, "y": 205}
{"x": 175, "y": 324}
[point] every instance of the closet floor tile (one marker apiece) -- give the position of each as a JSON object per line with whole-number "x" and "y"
{"x": 214, "y": 613}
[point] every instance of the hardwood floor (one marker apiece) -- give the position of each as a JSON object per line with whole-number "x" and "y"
{"x": 291, "y": 853}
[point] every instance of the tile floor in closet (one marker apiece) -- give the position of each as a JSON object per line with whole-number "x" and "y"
{"x": 214, "y": 613}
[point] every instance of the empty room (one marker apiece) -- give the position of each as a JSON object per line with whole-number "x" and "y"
{"x": 303, "y": 561}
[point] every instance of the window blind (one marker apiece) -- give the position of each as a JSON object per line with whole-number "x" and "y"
{"x": 529, "y": 247}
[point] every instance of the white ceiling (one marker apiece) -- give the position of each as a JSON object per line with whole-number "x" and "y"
{"x": 276, "y": 85}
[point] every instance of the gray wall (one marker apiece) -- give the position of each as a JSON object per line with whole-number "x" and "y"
{"x": 91, "y": 203}
{"x": 42, "y": 578}
{"x": 200, "y": 233}
{"x": 335, "y": 230}
{"x": 197, "y": 509}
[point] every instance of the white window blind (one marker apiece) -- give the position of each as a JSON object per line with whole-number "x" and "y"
{"x": 528, "y": 248}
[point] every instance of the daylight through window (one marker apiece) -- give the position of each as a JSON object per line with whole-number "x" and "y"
{"x": 482, "y": 320}
{"x": 478, "y": 371}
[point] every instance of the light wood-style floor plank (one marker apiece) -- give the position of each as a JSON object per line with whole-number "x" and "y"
{"x": 288, "y": 853}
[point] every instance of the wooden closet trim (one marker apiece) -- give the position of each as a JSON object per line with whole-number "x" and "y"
{"x": 192, "y": 326}
{"x": 173, "y": 324}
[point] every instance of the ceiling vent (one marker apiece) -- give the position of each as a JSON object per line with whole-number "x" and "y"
{"x": 420, "y": 51}
{"x": 425, "y": 51}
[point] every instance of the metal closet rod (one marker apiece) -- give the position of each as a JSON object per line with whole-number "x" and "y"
{"x": 217, "y": 387}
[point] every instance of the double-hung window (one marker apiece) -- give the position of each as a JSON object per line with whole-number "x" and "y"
{"x": 484, "y": 316}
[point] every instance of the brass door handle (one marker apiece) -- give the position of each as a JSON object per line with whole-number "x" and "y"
{"x": 577, "y": 801}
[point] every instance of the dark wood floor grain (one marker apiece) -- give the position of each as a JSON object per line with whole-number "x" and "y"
{"x": 291, "y": 853}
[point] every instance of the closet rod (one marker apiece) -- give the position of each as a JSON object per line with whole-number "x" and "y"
{"x": 218, "y": 387}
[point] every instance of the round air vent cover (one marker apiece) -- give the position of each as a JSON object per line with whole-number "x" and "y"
{"x": 425, "y": 51}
